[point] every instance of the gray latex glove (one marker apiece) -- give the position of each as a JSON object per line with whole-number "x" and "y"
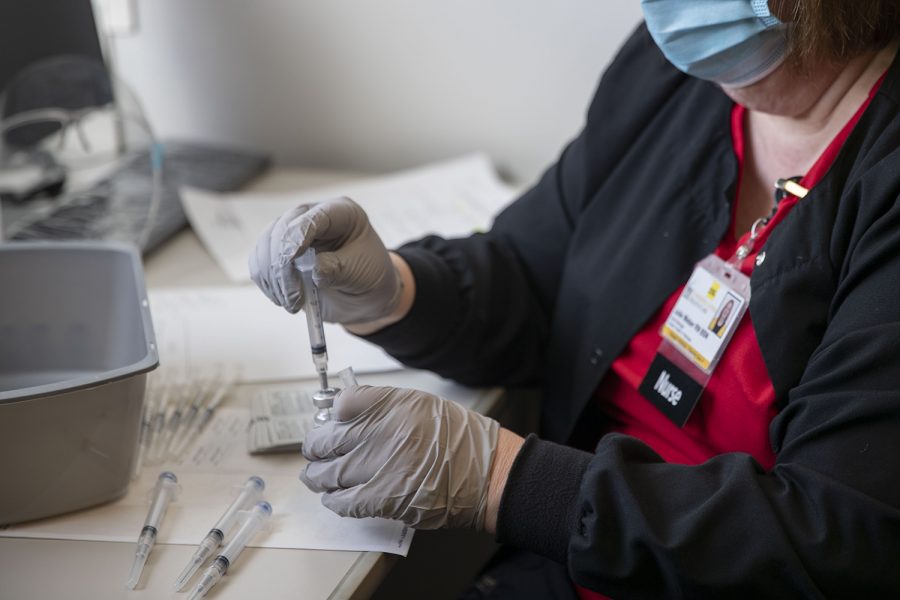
{"x": 403, "y": 454}
{"x": 357, "y": 280}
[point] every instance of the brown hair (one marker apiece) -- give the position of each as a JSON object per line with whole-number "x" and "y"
{"x": 837, "y": 29}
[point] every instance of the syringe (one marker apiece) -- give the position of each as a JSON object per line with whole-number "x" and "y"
{"x": 174, "y": 422}
{"x": 165, "y": 491}
{"x": 253, "y": 523}
{"x": 157, "y": 423}
{"x": 178, "y": 441}
{"x": 249, "y": 495}
{"x": 305, "y": 263}
{"x": 145, "y": 438}
{"x": 203, "y": 418}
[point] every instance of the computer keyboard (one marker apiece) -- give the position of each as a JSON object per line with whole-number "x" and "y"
{"x": 116, "y": 208}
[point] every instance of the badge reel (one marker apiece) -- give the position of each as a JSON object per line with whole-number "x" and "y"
{"x": 694, "y": 337}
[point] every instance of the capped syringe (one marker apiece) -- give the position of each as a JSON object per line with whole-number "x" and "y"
{"x": 203, "y": 418}
{"x": 254, "y": 521}
{"x": 165, "y": 491}
{"x": 305, "y": 264}
{"x": 157, "y": 423}
{"x": 250, "y": 493}
{"x": 181, "y": 403}
{"x": 180, "y": 439}
{"x": 146, "y": 431}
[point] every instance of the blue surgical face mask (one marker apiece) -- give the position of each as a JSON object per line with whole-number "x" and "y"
{"x": 732, "y": 42}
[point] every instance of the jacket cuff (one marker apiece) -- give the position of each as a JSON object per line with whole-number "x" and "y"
{"x": 427, "y": 322}
{"x": 538, "y": 507}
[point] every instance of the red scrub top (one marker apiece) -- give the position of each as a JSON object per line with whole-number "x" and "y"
{"x": 738, "y": 404}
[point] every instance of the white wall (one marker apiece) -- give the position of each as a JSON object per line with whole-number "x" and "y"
{"x": 375, "y": 85}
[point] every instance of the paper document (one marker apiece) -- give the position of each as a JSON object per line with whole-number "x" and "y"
{"x": 237, "y": 329}
{"x": 450, "y": 199}
{"x": 207, "y": 474}
{"x": 279, "y": 420}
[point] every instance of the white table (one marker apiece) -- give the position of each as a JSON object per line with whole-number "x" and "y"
{"x": 43, "y": 569}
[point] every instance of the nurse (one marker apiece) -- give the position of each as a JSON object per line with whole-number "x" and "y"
{"x": 672, "y": 462}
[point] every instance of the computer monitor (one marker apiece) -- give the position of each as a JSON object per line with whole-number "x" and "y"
{"x": 52, "y": 58}
{"x": 33, "y": 30}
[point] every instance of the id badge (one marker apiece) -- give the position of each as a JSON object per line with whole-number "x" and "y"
{"x": 694, "y": 337}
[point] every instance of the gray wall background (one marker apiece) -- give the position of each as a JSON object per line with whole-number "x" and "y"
{"x": 378, "y": 85}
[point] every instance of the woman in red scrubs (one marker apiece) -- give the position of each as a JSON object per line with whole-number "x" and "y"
{"x": 672, "y": 462}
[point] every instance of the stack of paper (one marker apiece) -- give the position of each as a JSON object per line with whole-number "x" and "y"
{"x": 279, "y": 420}
{"x": 449, "y": 199}
{"x": 236, "y": 330}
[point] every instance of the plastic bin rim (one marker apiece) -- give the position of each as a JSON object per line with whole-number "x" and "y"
{"x": 147, "y": 363}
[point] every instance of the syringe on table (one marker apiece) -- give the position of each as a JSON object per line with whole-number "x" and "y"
{"x": 146, "y": 430}
{"x": 180, "y": 404}
{"x": 250, "y": 493}
{"x": 254, "y": 521}
{"x": 157, "y": 423}
{"x": 175, "y": 416}
{"x": 165, "y": 491}
{"x": 199, "y": 421}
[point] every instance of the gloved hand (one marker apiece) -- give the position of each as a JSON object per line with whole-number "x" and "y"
{"x": 356, "y": 278}
{"x": 403, "y": 454}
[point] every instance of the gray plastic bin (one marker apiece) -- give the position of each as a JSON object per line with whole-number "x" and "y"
{"x": 76, "y": 342}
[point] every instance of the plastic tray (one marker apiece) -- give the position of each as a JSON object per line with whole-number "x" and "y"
{"x": 76, "y": 342}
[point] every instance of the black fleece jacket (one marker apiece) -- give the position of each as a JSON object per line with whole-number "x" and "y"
{"x": 575, "y": 267}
